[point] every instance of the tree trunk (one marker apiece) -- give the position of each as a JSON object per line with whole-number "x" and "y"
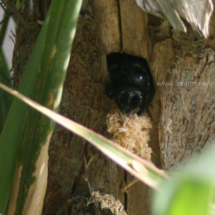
{"x": 182, "y": 115}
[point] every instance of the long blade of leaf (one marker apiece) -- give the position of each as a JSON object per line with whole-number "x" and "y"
{"x": 140, "y": 168}
{"x": 5, "y": 99}
{"x": 4, "y": 26}
{"x": 25, "y": 137}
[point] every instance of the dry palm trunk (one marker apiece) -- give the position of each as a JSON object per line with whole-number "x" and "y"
{"x": 182, "y": 113}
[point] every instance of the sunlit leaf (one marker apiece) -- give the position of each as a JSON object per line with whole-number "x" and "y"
{"x": 190, "y": 191}
{"x": 142, "y": 169}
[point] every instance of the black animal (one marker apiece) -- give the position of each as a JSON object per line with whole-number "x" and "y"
{"x": 131, "y": 84}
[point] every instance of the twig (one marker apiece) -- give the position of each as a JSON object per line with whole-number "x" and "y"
{"x": 86, "y": 165}
{"x": 130, "y": 184}
{"x": 16, "y": 12}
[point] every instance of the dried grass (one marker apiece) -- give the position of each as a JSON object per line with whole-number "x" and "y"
{"x": 108, "y": 201}
{"x": 131, "y": 132}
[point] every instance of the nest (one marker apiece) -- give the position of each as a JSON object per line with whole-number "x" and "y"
{"x": 131, "y": 132}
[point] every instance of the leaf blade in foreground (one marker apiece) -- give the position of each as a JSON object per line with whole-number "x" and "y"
{"x": 142, "y": 169}
{"x": 26, "y": 133}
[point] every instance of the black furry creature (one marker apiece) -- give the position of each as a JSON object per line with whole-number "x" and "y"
{"x": 131, "y": 84}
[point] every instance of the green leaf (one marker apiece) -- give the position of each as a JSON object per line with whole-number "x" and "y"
{"x": 190, "y": 191}
{"x": 20, "y": 5}
{"x": 142, "y": 169}
{"x": 4, "y": 28}
{"x": 26, "y": 134}
{"x": 5, "y": 99}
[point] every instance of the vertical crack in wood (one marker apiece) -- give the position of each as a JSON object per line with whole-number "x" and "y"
{"x": 125, "y": 192}
{"x": 120, "y": 26}
{"x": 121, "y": 49}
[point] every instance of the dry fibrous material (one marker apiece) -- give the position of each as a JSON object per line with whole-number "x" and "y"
{"x": 131, "y": 132}
{"x": 107, "y": 201}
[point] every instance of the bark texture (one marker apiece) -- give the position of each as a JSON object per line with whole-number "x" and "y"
{"x": 182, "y": 113}
{"x": 187, "y": 119}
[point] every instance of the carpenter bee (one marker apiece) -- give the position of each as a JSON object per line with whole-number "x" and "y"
{"x": 131, "y": 84}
